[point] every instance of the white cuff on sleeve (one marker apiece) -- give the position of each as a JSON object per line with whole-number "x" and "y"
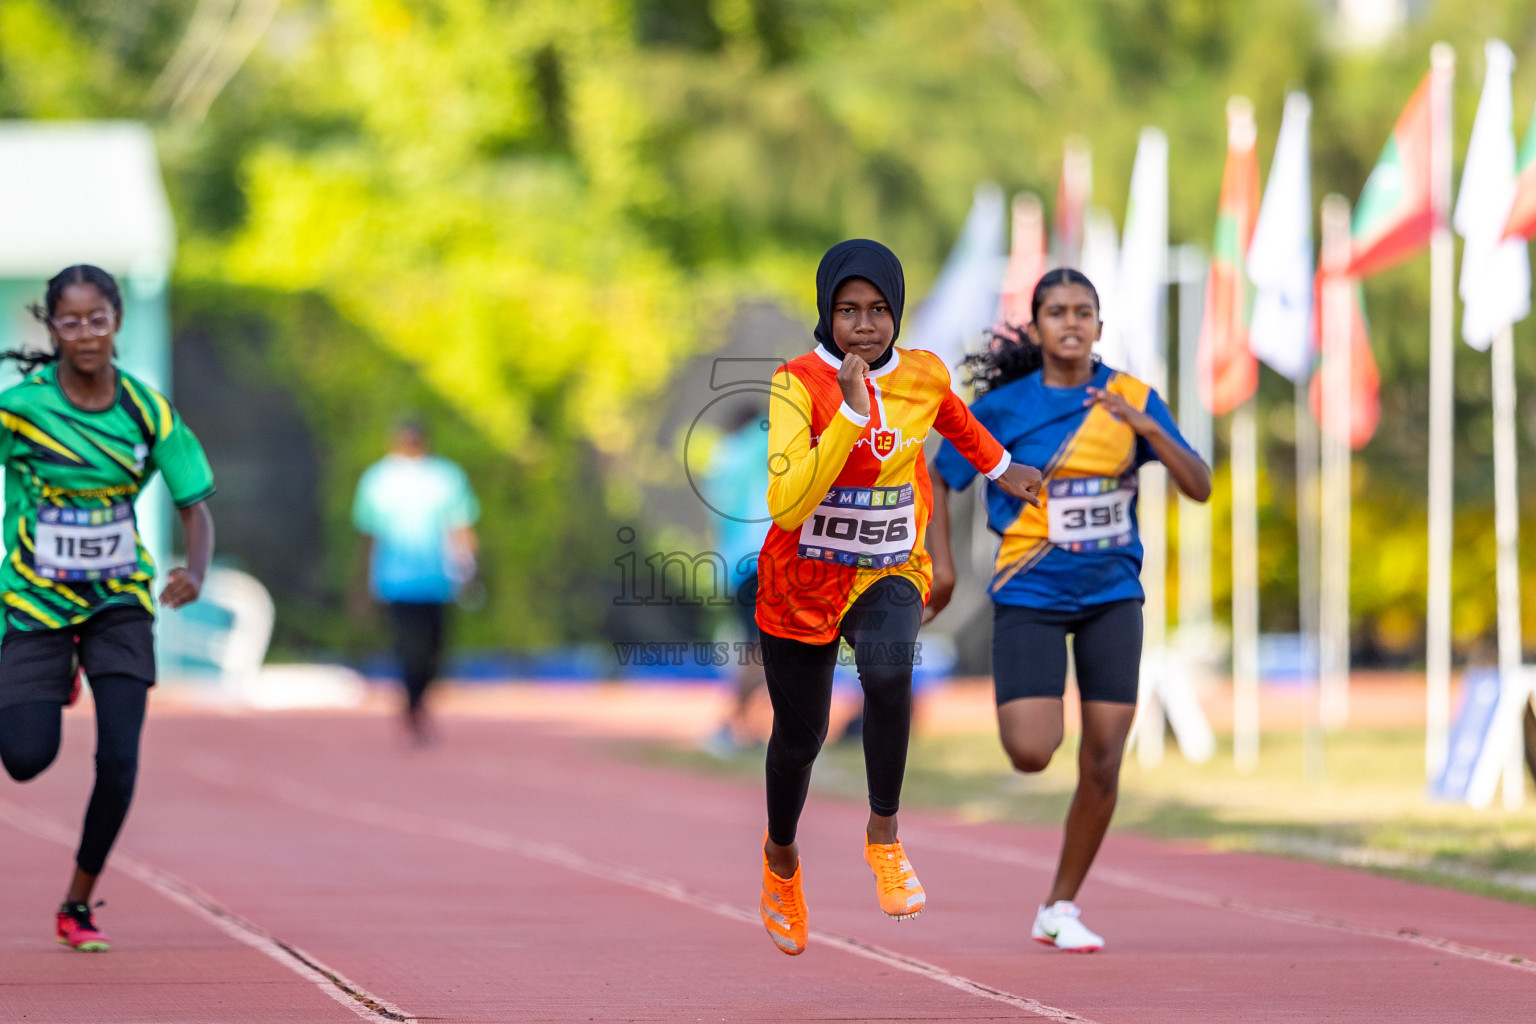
{"x": 1001, "y": 467}
{"x": 857, "y": 419}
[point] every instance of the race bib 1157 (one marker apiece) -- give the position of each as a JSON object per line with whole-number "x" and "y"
{"x": 86, "y": 543}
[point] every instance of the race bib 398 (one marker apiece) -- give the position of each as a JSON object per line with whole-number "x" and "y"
{"x": 1091, "y": 513}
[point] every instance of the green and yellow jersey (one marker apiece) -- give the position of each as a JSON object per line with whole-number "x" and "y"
{"x": 72, "y": 545}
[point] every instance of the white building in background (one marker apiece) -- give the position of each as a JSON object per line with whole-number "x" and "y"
{"x": 90, "y": 192}
{"x": 1367, "y": 23}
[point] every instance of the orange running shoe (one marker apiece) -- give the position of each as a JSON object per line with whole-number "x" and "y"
{"x": 783, "y": 909}
{"x": 901, "y": 894}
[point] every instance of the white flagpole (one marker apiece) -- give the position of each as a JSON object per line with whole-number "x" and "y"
{"x": 1333, "y": 548}
{"x": 1141, "y": 303}
{"x": 1442, "y": 369}
{"x": 1506, "y": 528}
{"x": 1190, "y": 269}
{"x": 1243, "y": 459}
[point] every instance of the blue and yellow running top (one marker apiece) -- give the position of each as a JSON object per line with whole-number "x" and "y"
{"x": 1081, "y": 548}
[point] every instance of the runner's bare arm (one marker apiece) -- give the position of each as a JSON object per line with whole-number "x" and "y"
{"x": 184, "y": 585}
{"x": 937, "y": 542}
{"x": 799, "y": 474}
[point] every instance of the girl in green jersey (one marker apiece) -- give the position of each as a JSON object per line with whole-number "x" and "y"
{"x": 80, "y": 439}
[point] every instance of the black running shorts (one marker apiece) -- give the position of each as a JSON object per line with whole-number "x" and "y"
{"x": 1029, "y": 651}
{"x": 39, "y": 664}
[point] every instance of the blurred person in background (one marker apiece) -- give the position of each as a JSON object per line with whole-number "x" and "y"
{"x": 735, "y": 486}
{"x": 1069, "y": 567}
{"x": 80, "y": 439}
{"x": 416, "y": 513}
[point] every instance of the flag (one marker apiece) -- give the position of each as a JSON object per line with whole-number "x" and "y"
{"x": 1495, "y": 273}
{"x": 1396, "y": 212}
{"x": 1228, "y": 372}
{"x": 1101, "y": 265}
{"x": 1364, "y": 376}
{"x": 1138, "y": 301}
{"x": 1073, "y": 190}
{"x": 1026, "y": 261}
{"x": 963, "y": 301}
{"x": 1280, "y": 255}
{"x": 1522, "y": 212}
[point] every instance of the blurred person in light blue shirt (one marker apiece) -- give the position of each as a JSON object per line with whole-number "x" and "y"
{"x": 416, "y": 513}
{"x": 734, "y": 484}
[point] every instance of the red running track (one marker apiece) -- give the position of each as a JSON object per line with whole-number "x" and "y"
{"x": 303, "y": 868}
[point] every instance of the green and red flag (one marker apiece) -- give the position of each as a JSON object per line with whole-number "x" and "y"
{"x": 1229, "y": 373}
{"x": 1364, "y": 375}
{"x": 1522, "y": 212}
{"x": 1396, "y": 213}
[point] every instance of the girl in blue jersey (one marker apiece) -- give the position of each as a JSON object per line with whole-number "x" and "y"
{"x": 1071, "y": 566}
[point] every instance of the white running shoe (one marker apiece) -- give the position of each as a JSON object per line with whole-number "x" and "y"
{"x": 1058, "y": 925}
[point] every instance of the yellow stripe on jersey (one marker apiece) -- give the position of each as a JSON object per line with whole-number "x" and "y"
{"x": 38, "y": 581}
{"x": 22, "y": 604}
{"x": 136, "y": 590}
{"x": 149, "y": 418}
{"x": 30, "y": 431}
{"x": 1101, "y": 446}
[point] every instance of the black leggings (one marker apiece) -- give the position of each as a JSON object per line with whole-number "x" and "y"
{"x": 29, "y": 741}
{"x": 418, "y": 644}
{"x": 882, "y": 629}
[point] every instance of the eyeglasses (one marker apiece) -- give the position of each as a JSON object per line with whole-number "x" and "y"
{"x": 73, "y": 328}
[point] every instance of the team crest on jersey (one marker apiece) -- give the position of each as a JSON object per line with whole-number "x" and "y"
{"x": 140, "y": 453}
{"x": 884, "y": 441}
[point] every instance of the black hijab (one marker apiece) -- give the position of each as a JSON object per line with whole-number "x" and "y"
{"x": 858, "y": 257}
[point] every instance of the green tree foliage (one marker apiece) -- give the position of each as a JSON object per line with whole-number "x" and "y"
{"x": 525, "y": 217}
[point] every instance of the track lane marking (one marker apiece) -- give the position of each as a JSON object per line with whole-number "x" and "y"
{"x": 366, "y": 812}
{"x": 1128, "y": 880}
{"x": 330, "y": 981}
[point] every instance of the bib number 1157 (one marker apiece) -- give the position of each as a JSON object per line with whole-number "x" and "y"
{"x": 85, "y": 543}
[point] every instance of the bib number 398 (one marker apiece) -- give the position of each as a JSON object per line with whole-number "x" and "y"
{"x": 1090, "y": 513}
{"x": 865, "y": 527}
{"x": 86, "y": 543}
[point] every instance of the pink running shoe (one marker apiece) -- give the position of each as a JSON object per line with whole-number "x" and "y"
{"x": 77, "y": 931}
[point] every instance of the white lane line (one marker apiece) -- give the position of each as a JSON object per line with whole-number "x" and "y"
{"x": 330, "y": 981}
{"x": 366, "y": 812}
{"x": 1128, "y": 880}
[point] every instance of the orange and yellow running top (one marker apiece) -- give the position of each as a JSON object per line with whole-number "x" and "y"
{"x": 849, "y": 494}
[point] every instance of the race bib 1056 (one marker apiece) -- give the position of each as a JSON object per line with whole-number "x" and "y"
{"x": 865, "y": 527}
{"x": 86, "y": 543}
{"x": 1091, "y": 513}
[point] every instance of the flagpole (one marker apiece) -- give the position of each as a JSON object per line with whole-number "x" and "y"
{"x": 1506, "y": 527}
{"x": 1308, "y": 517}
{"x": 1442, "y": 368}
{"x": 1333, "y": 549}
{"x": 1243, "y": 462}
{"x": 1191, "y": 268}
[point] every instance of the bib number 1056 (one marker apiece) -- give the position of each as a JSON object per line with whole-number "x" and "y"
{"x": 865, "y": 527}
{"x": 867, "y": 531}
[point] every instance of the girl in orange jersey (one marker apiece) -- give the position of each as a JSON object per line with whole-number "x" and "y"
{"x": 844, "y": 558}
{"x": 1070, "y": 566}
